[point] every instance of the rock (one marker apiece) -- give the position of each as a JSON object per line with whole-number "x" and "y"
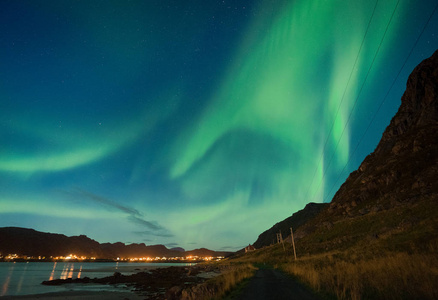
{"x": 117, "y": 274}
{"x": 404, "y": 166}
{"x": 396, "y": 149}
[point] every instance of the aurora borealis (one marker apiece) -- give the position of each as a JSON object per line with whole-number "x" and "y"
{"x": 193, "y": 123}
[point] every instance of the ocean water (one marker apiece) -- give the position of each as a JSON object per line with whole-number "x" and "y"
{"x": 24, "y": 278}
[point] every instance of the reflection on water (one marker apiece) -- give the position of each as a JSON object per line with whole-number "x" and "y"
{"x": 23, "y": 274}
{"x": 80, "y": 271}
{"x": 53, "y": 272}
{"x": 24, "y": 278}
{"x": 5, "y": 286}
{"x": 8, "y": 280}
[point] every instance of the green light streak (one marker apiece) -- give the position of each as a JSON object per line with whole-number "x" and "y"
{"x": 70, "y": 147}
{"x": 288, "y": 84}
{"x": 42, "y": 206}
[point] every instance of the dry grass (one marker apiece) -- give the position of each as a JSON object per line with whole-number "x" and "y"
{"x": 397, "y": 276}
{"x": 390, "y": 254}
{"x": 218, "y": 287}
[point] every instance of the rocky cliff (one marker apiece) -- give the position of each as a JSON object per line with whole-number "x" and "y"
{"x": 391, "y": 200}
{"x": 404, "y": 166}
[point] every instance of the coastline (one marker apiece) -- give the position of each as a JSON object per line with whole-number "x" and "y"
{"x": 150, "y": 283}
{"x": 25, "y": 278}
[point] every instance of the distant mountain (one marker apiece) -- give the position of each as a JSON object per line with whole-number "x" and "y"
{"x": 179, "y": 249}
{"x": 34, "y": 243}
{"x": 391, "y": 200}
{"x": 205, "y": 253}
{"x": 299, "y": 218}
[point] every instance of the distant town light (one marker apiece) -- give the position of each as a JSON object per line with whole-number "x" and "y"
{"x": 74, "y": 257}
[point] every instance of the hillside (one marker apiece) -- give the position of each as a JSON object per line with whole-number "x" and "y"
{"x": 404, "y": 166}
{"x": 391, "y": 199}
{"x": 30, "y": 242}
{"x": 299, "y": 218}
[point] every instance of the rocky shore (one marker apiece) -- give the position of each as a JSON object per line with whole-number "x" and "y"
{"x": 153, "y": 284}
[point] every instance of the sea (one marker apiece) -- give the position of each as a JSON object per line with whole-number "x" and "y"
{"x": 25, "y": 278}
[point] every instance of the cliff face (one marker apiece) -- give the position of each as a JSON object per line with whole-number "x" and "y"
{"x": 419, "y": 103}
{"x": 395, "y": 185}
{"x": 391, "y": 200}
{"x": 404, "y": 166}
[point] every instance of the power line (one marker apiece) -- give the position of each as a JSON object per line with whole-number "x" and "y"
{"x": 359, "y": 93}
{"x": 343, "y": 96}
{"x": 384, "y": 99}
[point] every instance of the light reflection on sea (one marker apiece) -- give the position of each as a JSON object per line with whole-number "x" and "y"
{"x": 24, "y": 278}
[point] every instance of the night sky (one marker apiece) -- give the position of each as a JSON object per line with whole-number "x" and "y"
{"x": 193, "y": 123}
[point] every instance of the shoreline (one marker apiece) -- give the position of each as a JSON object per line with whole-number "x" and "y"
{"x": 145, "y": 283}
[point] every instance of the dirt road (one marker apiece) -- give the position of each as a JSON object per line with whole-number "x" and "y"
{"x": 274, "y": 285}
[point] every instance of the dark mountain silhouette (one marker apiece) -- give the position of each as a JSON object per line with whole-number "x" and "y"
{"x": 295, "y": 221}
{"x": 179, "y": 249}
{"x": 392, "y": 198}
{"x": 404, "y": 166}
{"x": 34, "y": 243}
{"x": 202, "y": 252}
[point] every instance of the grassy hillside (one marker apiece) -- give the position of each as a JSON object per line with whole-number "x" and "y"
{"x": 388, "y": 254}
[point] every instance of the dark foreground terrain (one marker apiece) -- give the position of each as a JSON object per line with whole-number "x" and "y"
{"x": 275, "y": 285}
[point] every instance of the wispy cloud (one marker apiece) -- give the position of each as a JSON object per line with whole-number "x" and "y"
{"x": 133, "y": 215}
{"x": 163, "y": 233}
{"x": 106, "y": 202}
{"x": 148, "y": 224}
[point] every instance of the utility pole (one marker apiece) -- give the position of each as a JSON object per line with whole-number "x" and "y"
{"x": 282, "y": 242}
{"x": 293, "y": 243}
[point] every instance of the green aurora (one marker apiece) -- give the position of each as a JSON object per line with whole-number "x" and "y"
{"x": 192, "y": 126}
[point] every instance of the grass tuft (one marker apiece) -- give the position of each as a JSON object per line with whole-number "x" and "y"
{"x": 395, "y": 276}
{"x": 218, "y": 287}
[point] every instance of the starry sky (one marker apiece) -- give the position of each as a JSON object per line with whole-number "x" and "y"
{"x": 194, "y": 123}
